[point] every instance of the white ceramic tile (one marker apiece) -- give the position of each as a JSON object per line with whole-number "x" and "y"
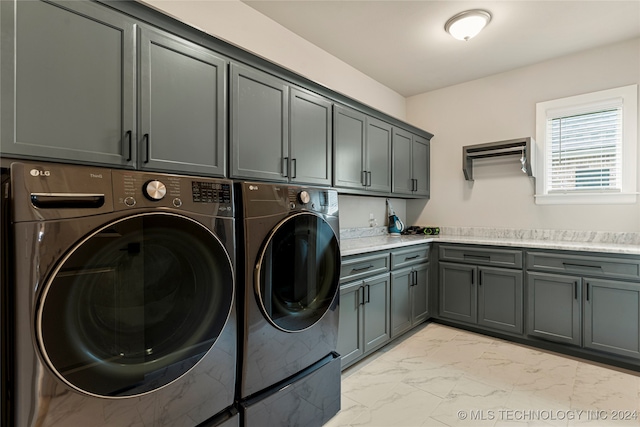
{"x": 427, "y": 377}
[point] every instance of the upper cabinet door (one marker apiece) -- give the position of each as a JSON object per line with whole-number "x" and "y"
{"x": 420, "y": 158}
{"x": 379, "y": 155}
{"x": 402, "y": 177}
{"x": 310, "y": 138}
{"x": 349, "y": 143}
{"x": 67, "y": 82}
{"x": 259, "y": 125}
{"x": 182, "y": 106}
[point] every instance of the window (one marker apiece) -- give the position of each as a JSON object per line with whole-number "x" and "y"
{"x": 588, "y": 148}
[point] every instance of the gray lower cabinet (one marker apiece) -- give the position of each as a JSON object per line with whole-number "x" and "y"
{"x": 279, "y": 133}
{"x": 554, "y": 308}
{"x": 411, "y": 157}
{"x": 612, "y": 316}
{"x": 482, "y": 295}
{"x": 409, "y": 298}
{"x": 585, "y": 310}
{"x": 409, "y": 288}
{"x": 362, "y": 156}
{"x": 182, "y": 106}
{"x": 364, "y": 317}
{"x": 68, "y": 73}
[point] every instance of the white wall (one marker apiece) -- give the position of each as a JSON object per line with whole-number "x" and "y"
{"x": 239, "y": 24}
{"x": 502, "y": 107}
{"x": 355, "y": 210}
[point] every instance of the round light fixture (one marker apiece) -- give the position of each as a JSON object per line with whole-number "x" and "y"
{"x": 466, "y": 25}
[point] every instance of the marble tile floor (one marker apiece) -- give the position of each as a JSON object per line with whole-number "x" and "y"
{"x": 440, "y": 376}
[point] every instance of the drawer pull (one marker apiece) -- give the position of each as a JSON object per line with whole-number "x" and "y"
{"x": 412, "y": 257}
{"x": 480, "y": 257}
{"x": 355, "y": 270}
{"x": 572, "y": 265}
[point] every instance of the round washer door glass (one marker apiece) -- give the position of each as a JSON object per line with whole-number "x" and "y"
{"x": 298, "y": 272}
{"x": 135, "y": 305}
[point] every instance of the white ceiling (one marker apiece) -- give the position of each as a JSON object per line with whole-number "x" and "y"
{"x": 403, "y": 45}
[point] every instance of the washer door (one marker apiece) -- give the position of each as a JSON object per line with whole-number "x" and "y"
{"x": 298, "y": 272}
{"x": 135, "y": 305}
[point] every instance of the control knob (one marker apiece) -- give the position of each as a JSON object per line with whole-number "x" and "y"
{"x": 304, "y": 197}
{"x": 155, "y": 190}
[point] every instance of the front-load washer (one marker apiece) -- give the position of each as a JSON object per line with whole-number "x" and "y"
{"x": 289, "y": 373}
{"x": 123, "y": 288}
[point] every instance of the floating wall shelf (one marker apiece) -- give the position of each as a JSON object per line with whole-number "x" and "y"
{"x": 523, "y": 147}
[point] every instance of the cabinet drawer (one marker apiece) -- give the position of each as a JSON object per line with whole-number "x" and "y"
{"x": 482, "y": 256}
{"x": 406, "y": 257}
{"x": 587, "y": 265}
{"x": 359, "y": 266}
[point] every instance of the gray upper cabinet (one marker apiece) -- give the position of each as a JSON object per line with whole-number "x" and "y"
{"x": 411, "y": 157}
{"x": 279, "y": 132}
{"x": 362, "y": 151}
{"x": 310, "y": 161}
{"x": 67, "y": 83}
{"x": 182, "y": 106}
{"x": 259, "y": 125}
{"x": 349, "y": 143}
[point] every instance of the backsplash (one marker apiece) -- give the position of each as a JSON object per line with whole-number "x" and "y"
{"x": 605, "y": 237}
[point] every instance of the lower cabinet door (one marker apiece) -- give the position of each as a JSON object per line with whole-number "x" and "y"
{"x": 553, "y": 303}
{"x": 420, "y": 295}
{"x": 500, "y": 299}
{"x": 376, "y": 322}
{"x": 401, "y": 288}
{"x": 458, "y": 292}
{"x": 350, "y": 339}
{"x": 612, "y": 316}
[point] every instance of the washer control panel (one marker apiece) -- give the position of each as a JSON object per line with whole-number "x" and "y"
{"x": 195, "y": 194}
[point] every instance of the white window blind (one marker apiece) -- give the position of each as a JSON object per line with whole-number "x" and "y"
{"x": 585, "y": 152}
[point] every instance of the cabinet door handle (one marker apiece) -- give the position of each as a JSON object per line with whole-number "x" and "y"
{"x": 588, "y": 286}
{"x": 575, "y": 289}
{"x": 363, "y": 178}
{"x": 479, "y": 278}
{"x": 473, "y": 277}
{"x": 415, "y": 278}
{"x": 411, "y": 257}
{"x": 368, "y": 288}
{"x": 147, "y": 148}
{"x": 369, "y": 179}
{"x": 285, "y": 167}
{"x": 414, "y": 185}
{"x": 353, "y": 270}
{"x": 361, "y": 295}
{"x": 294, "y": 168}
{"x": 130, "y": 145}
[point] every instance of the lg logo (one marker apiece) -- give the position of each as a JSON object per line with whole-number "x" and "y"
{"x": 37, "y": 172}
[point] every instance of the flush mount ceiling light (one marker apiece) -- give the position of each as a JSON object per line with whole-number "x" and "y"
{"x": 466, "y": 25}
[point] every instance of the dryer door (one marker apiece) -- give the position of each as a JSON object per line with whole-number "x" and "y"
{"x": 135, "y": 305}
{"x": 298, "y": 272}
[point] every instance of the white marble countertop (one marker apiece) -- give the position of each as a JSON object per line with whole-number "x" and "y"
{"x": 360, "y": 245}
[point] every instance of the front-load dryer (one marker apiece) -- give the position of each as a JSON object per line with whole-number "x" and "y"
{"x": 289, "y": 373}
{"x": 123, "y": 284}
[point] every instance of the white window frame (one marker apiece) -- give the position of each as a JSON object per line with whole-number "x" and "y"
{"x": 628, "y": 96}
